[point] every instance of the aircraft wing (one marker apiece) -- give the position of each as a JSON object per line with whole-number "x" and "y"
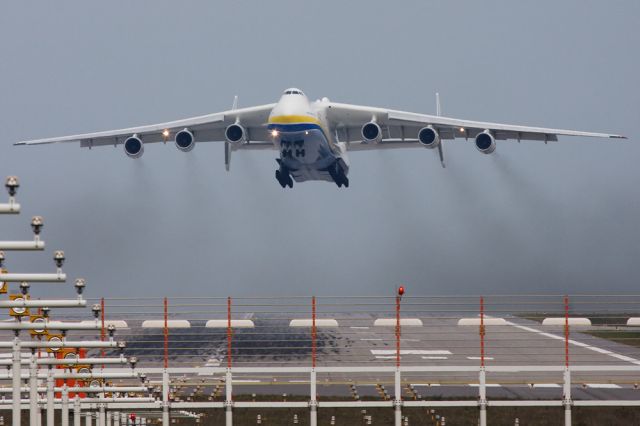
{"x": 206, "y": 128}
{"x": 400, "y": 129}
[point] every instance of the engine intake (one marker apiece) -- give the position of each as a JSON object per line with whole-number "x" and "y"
{"x": 185, "y": 141}
{"x": 429, "y": 137}
{"x": 235, "y": 134}
{"x": 133, "y": 146}
{"x": 485, "y": 142}
{"x": 371, "y": 132}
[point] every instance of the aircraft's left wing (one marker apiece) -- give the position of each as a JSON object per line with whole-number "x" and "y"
{"x": 400, "y": 129}
{"x": 205, "y": 128}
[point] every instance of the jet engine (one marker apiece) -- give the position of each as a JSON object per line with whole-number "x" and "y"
{"x": 235, "y": 134}
{"x": 485, "y": 142}
{"x": 185, "y": 141}
{"x": 133, "y": 146}
{"x": 429, "y": 137}
{"x": 371, "y": 132}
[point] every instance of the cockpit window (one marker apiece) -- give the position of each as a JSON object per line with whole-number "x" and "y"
{"x": 293, "y": 92}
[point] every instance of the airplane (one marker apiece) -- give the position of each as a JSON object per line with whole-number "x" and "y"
{"x": 313, "y": 139}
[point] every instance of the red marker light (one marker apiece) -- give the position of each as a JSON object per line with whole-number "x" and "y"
{"x": 400, "y": 290}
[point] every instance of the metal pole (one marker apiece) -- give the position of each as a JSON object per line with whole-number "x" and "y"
{"x": 165, "y": 398}
{"x": 228, "y": 400}
{"x": 101, "y": 413}
{"x": 16, "y": 381}
{"x": 313, "y": 403}
{"x": 65, "y": 405}
{"x": 482, "y": 388}
{"x": 116, "y": 418}
{"x": 50, "y": 396}
{"x": 567, "y": 373}
{"x": 33, "y": 389}
{"x": 398, "y": 389}
{"x": 398, "y": 398}
{"x": 482, "y": 401}
{"x": 76, "y": 410}
{"x": 88, "y": 417}
{"x": 567, "y": 397}
{"x": 109, "y": 418}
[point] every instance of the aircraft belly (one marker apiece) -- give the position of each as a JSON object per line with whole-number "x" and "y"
{"x": 306, "y": 154}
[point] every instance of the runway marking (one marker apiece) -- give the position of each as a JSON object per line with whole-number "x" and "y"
{"x": 603, "y": 386}
{"x": 546, "y": 385}
{"x": 385, "y": 356}
{"x": 477, "y": 357}
{"x": 489, "y": 385}
{"x": 368, "y": 340}
{"x": 576, "y": 343}
{"x": 435, "y": 357}
{"x": 410, "y": 340}
{"x": 298, "y": 381}
{"x": 359, "y": 328}
{"x": 411, "y": 352}
{"x": 246, "y": 381}
{"x": 428, "y": 385}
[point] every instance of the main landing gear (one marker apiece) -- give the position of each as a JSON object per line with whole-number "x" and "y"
{"x": 338, "y": 175}
{"x": 284, "y": 177}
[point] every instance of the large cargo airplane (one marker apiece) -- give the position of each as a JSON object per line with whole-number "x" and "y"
{"x": 313, "y": 138}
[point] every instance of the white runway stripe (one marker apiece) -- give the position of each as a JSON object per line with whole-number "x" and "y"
{"x": 603, "y": 386}
{"x": 435, "y": 357}
{"x": 411, "y": 352}
{"x": 477, "y": 357}
{"x": 576, "y": 343}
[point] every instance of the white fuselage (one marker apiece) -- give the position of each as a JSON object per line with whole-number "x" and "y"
{"x": 307, "y": 147}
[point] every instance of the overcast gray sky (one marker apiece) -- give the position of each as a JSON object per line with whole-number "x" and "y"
{"x": 554, "y": 218}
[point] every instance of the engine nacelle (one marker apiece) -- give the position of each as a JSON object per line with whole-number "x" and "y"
{"x": 371, "y": 132}
{"x": 485, "y": 142}
{"x": 429, "y": 137}
{"x": 133, "y": 146}
{"x": 185, "y": 141}
{"x": 235, "y": 134}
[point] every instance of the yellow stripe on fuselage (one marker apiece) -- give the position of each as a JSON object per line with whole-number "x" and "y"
{"x": 293, "y": 119}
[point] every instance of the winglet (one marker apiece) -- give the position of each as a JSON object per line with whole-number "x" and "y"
{"x": 438, "y": 109}
{"x": 234, "y": 106}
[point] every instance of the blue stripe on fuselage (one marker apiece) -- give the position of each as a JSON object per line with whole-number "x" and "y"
{"x": 297, "y": 127}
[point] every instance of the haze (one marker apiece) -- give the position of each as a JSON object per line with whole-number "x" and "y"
{"x": 532, "y": 218}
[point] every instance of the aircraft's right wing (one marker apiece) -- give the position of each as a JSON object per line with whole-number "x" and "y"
{"x": 400, "y": 128}
{"x": 205, "y": 128}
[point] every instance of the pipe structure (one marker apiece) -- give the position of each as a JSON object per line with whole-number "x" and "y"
{"x": 50, "y": 325}
{"x": 38, "y": 303}
{"x": 36, "y": 244}
{"x": 16, "y": 376}
{"x": 65, "y": 406}
{"x": 89, "y": 376}
{"x": 56, "y": 277}
{"x": 33, "y": 389}
{"x": 82, "y": 361}
{"x": 50, "y": 397}
{"x": 10, "y": 208}
{"x": 76, "y": 411}
{"x": 58, "y": 344}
